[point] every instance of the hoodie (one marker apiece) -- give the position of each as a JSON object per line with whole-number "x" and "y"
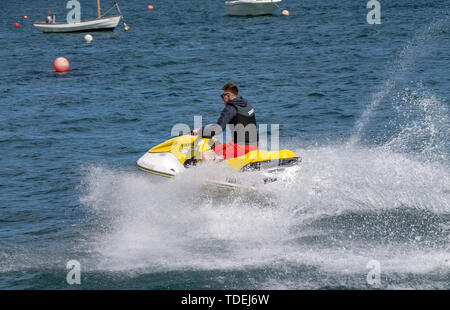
{"x": 241, "y": 115}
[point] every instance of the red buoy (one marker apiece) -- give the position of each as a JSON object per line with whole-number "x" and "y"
{"x": 61, "y": 64}
{"x": 17, "y": 25}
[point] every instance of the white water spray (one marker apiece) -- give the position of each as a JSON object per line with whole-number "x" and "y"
{"x": 401, "y": 67}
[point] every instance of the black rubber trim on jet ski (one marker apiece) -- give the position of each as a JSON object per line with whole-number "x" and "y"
{"x": 271, "y": 163}
{"x": 167, "y": 175}
{"x": 289, "y": 161}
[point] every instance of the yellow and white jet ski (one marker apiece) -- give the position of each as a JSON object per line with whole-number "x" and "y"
{"x": 174, "y": 156}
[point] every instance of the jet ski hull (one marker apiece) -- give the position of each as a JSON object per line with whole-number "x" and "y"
{"x": 174, "y": 156}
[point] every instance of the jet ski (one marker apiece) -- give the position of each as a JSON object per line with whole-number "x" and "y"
{"x": 175, "y": 155}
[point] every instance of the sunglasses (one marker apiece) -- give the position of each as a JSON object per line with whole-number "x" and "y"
{"x": 223, "y": 95}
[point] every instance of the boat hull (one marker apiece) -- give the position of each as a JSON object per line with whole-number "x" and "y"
{"x": 103, "y": 24}
{"x": 250, "y": 8}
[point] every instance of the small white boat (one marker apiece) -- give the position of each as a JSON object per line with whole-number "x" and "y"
{"x": 251, "y": 7}
{"x": 99, "y": 24}
{"x": 107, "y": 23}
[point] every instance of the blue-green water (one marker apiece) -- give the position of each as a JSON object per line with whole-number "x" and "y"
{"x": 365, "y": 106}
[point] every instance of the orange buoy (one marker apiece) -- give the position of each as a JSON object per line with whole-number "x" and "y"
{"x": 285, "y": 13}
{"x": 150, "y": 7}
{"x": 61, "y": 64}
{"x": 17, "y": 25}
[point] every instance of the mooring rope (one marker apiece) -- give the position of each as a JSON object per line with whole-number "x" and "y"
{"x": 116, "y": 5}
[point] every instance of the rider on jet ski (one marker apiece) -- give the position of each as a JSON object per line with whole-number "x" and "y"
{"x": 239, "y": 115}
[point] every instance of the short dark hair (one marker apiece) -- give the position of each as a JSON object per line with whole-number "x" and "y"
{"x": 230, "y": 87}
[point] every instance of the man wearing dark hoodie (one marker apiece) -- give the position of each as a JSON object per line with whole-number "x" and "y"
{"x": 239, "y": 115}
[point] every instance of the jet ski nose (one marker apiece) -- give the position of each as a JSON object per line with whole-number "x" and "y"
{"x": 165, "y": 164}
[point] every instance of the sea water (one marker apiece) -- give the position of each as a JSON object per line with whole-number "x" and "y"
{"x": 364, "y": 106}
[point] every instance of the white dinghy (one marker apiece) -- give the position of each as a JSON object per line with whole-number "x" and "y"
{"x": 251, "y": 7}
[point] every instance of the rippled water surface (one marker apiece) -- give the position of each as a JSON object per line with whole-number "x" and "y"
{"x": 364, "y": 106}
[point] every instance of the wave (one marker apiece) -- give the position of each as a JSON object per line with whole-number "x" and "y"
{"x": 174, "y": 225}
